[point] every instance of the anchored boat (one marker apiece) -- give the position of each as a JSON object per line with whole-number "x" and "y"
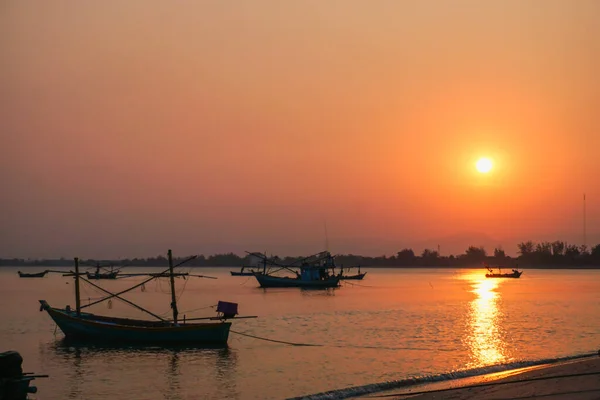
{"x": 76, "y": 324}
{"x": 491, "y": 274}
{"x": 358, "y": 276}
{"x": 244, "y": 272}
{"x": 317, "y": 273}
{"x": 33, "y": 275}
{"x": 110, "y": 274}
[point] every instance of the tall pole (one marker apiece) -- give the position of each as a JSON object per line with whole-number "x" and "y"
{"x": 326, "y": 237}
{"x": 173, "y": 297}
{"x": 584, "y": 223}
{"x": 77, "y": 298}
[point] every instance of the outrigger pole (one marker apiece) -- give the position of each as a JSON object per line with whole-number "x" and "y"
{"x": 77, "y": 275}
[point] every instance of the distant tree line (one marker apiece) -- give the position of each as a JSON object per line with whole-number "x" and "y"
{"x": 555, "y": 254}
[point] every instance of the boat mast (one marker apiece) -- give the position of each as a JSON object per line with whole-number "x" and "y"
{"x": 173, "y": 297}
{"x": 77, "y": 299}
{"x": 584, "y": 224}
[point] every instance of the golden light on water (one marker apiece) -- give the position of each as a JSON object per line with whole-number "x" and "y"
{"x": 484, "y": 338}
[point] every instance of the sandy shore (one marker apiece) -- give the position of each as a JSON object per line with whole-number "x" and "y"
{"x": 571, "y": 388}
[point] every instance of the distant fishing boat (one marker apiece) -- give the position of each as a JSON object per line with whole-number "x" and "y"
{"x": 76, "y": 324}
{"x": 312, "y": 275}
{"x": 254, "y": 267}
{"x": 358, "y": 276}
{"x": 243, "y": 272}
{"x": 33, "y": 275}
{"x": 491, "y": 274}
{"x": 111, "y": 274}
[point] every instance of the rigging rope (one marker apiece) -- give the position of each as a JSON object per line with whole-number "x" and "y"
{"x": 182, "y": 289}
{"x": 197, "y": 309}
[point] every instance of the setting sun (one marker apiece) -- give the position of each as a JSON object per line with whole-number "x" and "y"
{"x": 484, "y": 165}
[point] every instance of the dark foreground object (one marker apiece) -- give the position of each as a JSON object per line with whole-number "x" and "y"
{"x": 14, "y": 383}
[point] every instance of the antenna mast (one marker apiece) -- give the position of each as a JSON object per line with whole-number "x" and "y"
{"x": 326, "y": 237}
{"x": 584, "y": 224}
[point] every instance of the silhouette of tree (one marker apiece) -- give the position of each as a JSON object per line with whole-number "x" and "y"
{"x": 475, "y": 253}
{"x": 405, "y": 257}
{"x": 572, "y": 251}
{"x": 595, "y": 253}
{"x": 545, "y": 254}
{"x": 499, "y": 253}
{"x": 429, "y": 257}
{"x": 543, "y": 249}
{"x": 558, "y": 248}
{"x": 526, "y": 249}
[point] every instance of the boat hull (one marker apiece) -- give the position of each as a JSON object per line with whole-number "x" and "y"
{"x": 34, "y": 275}
{"x": 354, "y": 277}
{"x": 267, "y": 281}
{"x": 106, "y": 329}
{"x": 514, "y": 275}
{"x": 110, "y": 275}
{"x": 233, "y": 273}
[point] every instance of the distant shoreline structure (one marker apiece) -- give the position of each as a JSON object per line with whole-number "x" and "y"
{"x": 546, "y": 255}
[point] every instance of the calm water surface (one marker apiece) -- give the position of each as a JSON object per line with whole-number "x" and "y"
{"x": 392, "y": 325}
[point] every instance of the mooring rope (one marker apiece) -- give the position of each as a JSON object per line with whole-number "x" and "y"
{"x": 338, "y": 345}
{"x": 356, "y": 284}
{"x": 277, "y": 341}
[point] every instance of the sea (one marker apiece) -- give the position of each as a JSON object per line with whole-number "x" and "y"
{"x": 392, "y": 329}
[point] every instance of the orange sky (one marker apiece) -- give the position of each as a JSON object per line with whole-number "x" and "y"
{"x": 131, "y": 127}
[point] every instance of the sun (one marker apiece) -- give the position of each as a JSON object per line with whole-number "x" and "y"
{"x": 484, "y": 165}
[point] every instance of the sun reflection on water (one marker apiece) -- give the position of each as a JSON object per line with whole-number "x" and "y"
{"x": 485, "y": 339}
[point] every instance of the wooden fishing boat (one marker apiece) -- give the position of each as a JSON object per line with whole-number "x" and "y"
{"x": 358, "y": 276}
{"x": 491, "y": 274}
{"x": 353, "y": 277}
{"x": 33, "y": 275}
{"x": 313, "y": 275}
{"x": 76, "y": 324}
{"x": 255, "y": 267}
{"x": 266, "y": 281}
{"x": 243, "y": 272}
{"x": 111, "y": 274}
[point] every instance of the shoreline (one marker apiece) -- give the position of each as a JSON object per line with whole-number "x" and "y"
{"x": 237, "y": 267}
{"x": 577, "y": 379}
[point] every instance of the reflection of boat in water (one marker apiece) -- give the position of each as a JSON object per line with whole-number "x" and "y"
{"x": 33, "y": 275}
{"x": 314, "y": 273}
{"x": 79, "y": 325}
{"x": 514, "y": 274}
{"x": 162, "y": 366}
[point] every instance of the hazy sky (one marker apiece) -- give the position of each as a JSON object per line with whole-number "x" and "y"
{"x": 130, "y": 127}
